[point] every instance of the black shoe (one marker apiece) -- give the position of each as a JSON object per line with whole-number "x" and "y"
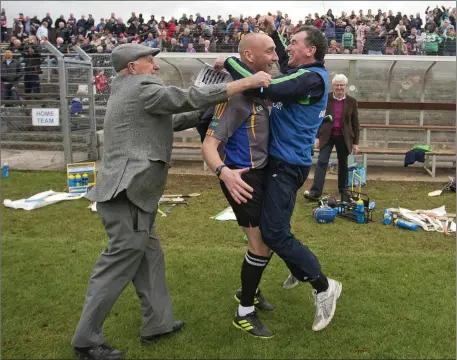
{"x": 310, "y": 195}
{"x": 259, "y": 301}
{"x": 100, "y": 352}
{"x": 346, "y": 196}
{"x": 177, "y": 326}
{"x": 252, "y": 325}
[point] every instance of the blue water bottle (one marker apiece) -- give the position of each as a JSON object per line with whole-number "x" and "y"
{"x": 78, "y": 180}
{"x": 387, "y": 217}
{"x": 6, "y": 169}
{"x": 85, "y": 179}
{"x": 406, "y": 224}
{"x": 71, "y": 181}
{"x": 360, "y": 212}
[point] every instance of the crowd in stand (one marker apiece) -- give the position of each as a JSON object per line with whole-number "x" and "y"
{"x": 356, "y": 33}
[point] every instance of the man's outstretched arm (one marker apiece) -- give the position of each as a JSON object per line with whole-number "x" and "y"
{"x": 301, "y": 86}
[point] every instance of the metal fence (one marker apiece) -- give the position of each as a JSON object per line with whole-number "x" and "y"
{"x": 80, "y": 89}
{"x": 48, "y": 113}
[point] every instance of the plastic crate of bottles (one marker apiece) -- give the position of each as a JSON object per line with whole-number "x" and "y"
{"x": 80, "y": 177}
{"x": 360, "y": 210}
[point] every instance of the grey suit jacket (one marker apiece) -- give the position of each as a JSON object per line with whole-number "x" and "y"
{"x": 138, "y": 135}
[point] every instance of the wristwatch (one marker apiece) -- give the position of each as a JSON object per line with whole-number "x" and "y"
{"x": 219, "y": 169}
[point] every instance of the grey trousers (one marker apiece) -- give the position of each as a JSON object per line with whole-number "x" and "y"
{"x": 133, "y": 254}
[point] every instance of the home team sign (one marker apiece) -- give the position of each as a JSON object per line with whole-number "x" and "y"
{"x": 45, "y": 117}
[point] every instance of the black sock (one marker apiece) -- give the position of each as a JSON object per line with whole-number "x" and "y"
{"x": 251, "y": 273}
{"x": 258, "y": 288}
{"x": 319, "y": 284}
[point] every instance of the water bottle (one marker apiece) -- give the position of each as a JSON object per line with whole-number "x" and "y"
{"x": 71, "y": 181}
{"x": 6, "y": 169}
{"x": 338, "y": 210}
{"x": 78, "y": 180}
{"x": 406, "y": 224}
{"x": 85, "y": 179}
{"x": 387, "y": 217}
{"x": 360, "y": 212}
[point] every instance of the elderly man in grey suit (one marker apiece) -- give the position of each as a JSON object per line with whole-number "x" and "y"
{"x": 138, "y": 138}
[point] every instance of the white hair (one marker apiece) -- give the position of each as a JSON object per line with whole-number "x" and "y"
{"x": 340, "y": 78}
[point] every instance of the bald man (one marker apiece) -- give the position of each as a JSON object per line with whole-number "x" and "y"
{"x": 241, "y": 127}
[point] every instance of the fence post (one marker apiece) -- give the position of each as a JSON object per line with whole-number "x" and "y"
{"x": 93, "y": 148}
{"x": 64, "y": 110}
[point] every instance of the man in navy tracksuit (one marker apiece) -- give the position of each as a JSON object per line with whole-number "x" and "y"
{"x": 299, "y": 99}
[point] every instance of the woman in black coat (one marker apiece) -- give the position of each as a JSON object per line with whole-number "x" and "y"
{"x": 32, "y": 70}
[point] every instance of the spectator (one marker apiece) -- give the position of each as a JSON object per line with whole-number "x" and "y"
{"x": 63, "y": 32}
{"x": 151, "y": 41}
{"x": 100, "y": 25}
{"x": 401, "y": 26}
{"x": 449, "y": 43}
{"x": 348, "y": 39}
{"x": 399, "y": 46}
{"x": 190, "y": 48}
{"x": 430, "y": 26}
{"x": 42, "y": 32}
{"x": 76, "y": 107}
{"x": 71, "y": 20}
{"x": 27, "y": 25}
{"x": 333, "y": 48}
{"x": 132, "y": 19}
{"x": 318, "y": 22}
{"x": 330, "y": 15}
{"x": 343, "y": 133}
{"x": 184, "y": 38}
{"x": 329, "y": 28}
{"x": 10, "y": 75}
{"x": 441, "y": 41}
{"x": 221, "y": 28}
{"x": 432, "y": 41}
{"x": 17, "y": 49}
{"x": 199, "y": 19}
{"x": 361, "y": 32}
{"x": 59, "y": 20}
{"x": 18, "y": 30}
{"x": 446, "y": 27}
{"x": 109, "y": 25}
{"x": 32, "y": 71}
{"x": 81, "y": 23}
{"x": 119, "y": 28}
{"x": 90, "y": 22}
{"x": 244, "y": 31}
{"x": 63, "y": 48}
{"x": 340, "y": 29}
{"x": 174, "y": 46}
{"x": 48, "y": 19}
{"x": 416, "y": 23}
{"x": 414, "y": 43}
{"x": 100, "y": 81}
{"x": 207, "y": 44}
{"x": 375, "y": 41}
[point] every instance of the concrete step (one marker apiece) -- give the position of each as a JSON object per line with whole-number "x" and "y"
{"x": 37, "y": 145}
{"x": 38, "y": 136}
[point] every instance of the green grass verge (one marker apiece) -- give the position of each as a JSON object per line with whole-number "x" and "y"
{"x": 398, "y": 296}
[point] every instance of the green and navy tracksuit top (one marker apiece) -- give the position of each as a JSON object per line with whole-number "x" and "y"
{"x": 299, "y": 99}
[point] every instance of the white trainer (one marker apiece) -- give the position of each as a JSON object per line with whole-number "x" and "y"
{"x": 290, "y": 282}
{"x": 325, "y": 303}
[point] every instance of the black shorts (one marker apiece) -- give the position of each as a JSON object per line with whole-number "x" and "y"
{"x": 248, "y": 214}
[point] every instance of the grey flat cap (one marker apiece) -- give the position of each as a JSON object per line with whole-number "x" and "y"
{"x": 125, "y": 53}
